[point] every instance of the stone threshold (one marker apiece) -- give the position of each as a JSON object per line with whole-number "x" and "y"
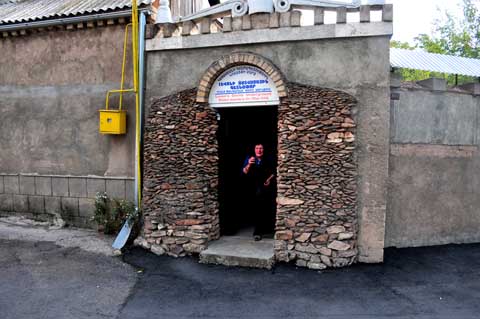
{"x": 240, "y": 251}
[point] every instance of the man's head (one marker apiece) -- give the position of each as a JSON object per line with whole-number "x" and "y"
{"x": 258, "y": 150}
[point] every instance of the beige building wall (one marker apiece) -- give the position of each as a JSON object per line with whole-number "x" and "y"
{"x": 53, "y": 159}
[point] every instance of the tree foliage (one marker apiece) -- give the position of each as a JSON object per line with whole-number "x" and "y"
{"x": 455, "y": 36}
{"x": 459, "y": 36}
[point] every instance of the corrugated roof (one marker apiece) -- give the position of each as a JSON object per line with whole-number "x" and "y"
{"x": 420, "y": 60}
{"x": 12, "y": 12}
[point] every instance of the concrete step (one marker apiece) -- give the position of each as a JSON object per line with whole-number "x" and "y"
{"x": 239, "y": 251}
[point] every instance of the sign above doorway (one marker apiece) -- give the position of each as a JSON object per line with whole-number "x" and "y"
{"x": 243, "y": 85}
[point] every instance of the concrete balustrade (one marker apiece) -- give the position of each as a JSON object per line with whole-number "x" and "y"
{"x": 217, "y": 23}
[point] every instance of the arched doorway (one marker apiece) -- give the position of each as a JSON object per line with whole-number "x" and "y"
{"x": 239, "y": 131}
{"x": 246, "y": 100}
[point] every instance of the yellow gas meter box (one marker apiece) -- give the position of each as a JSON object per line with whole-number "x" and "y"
{"x": 113, "y": 121}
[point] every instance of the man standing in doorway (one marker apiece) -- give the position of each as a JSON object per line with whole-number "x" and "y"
{"x": 260, "y": 174}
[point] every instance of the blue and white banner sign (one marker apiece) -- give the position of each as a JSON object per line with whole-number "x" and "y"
{"x": 243, "y": 85}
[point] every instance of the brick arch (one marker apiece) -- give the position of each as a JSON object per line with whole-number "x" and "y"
{"x": 234, "y": 59}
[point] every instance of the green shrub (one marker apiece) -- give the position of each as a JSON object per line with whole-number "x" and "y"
{"x": 110, "y": 214}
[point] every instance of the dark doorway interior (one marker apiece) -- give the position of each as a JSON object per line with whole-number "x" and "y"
{"x": 239, "y": 130}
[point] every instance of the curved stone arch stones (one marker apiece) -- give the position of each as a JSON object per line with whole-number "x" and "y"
{"x": 235, "y": 59}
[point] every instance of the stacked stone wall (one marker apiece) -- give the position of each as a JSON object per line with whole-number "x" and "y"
{"x": 316, "y": 205}
{"x": 316, "y": 202}
{"x": 180, "y": 176}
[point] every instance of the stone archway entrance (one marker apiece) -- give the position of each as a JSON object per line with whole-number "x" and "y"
{"x": 316, "y": 213}
{"x": 246, "y": 100}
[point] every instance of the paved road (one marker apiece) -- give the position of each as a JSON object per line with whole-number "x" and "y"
{"x": 43, "y": 280}
{"x": 438, "y": 282}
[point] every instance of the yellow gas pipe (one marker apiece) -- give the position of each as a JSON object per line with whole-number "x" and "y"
{"x": 137, "y": 100}
{"x": 135, "y": 90}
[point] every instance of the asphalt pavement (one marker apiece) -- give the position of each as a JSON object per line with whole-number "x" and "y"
{"x": 431, "y": 282}
{"x": 42, "y": 279}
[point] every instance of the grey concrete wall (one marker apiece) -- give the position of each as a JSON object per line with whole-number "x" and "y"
{"x": 359, "y": 66}
{"x": 53, "y": 197}
{"x": 434, "y": 192}
{"x": 330, "y": 63}
{"x": 430, "y": 117}
{"x": 52, "y": 85}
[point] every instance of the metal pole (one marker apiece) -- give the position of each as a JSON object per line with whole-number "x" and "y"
{"x": 137, "y": 87}
{"x": 141, "y": 60}
{"x": 138, "y": 192}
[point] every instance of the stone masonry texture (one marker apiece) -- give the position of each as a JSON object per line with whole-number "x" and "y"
{"x": 317, "y": 187}
{"x": 316, "y": 222}
{"x": 180, "y": 175}
{"x": 338, "y": 63}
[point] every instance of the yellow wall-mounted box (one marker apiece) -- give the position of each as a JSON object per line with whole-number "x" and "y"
{"x": 113, "y": 122}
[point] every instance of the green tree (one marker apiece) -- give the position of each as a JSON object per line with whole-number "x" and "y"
{"x": 459, "y": 36}
{"x": 455, "y": 36}
{"x": 401, "y": 45}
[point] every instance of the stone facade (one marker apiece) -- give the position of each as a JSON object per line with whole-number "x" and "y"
{"x": 320, "y": 55}
{"x": 316, "y": 204}
{"x": 317, "y": 188}
{"x": 180, "y": 176}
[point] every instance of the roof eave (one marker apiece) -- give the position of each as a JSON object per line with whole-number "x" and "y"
{"x": 70, "y": 20}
